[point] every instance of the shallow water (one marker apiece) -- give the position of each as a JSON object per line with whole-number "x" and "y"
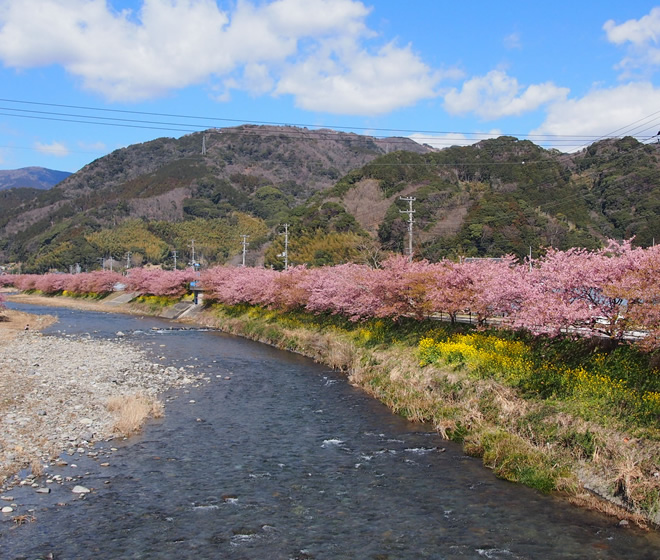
{"x": 285, "y": 460}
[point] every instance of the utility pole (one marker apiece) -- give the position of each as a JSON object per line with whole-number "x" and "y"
{"x": 110, "y": 263}
{"x": 128, "y": 260}
{"x": 203, "y": 144}
{"x": 174, "y": 255}
{"x": 410, "y": 212}
{"x": 192, "y": 247}
{"x": 245, "y": 244}
{"x": 286, "y": 247}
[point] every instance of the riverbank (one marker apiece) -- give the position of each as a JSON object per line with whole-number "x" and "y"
{"x": 520, "y": 439}
{"x": 60, "y": 395}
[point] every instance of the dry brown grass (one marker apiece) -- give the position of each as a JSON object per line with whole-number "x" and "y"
{"x": 132, "y": 411}
{"x": 595, "y": 503}
{"x": 36, "y": 467}
{"x": 23, "y": 519}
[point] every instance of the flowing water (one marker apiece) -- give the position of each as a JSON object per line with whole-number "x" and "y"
{"x": 277, "y": 457}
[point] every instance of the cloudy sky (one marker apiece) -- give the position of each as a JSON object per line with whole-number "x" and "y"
{"x": 80, "y": 78}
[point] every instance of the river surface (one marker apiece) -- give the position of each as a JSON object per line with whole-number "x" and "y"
{"x": 276, "y": 457}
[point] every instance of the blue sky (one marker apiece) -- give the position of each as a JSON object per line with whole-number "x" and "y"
{"x": 562, "y": 74}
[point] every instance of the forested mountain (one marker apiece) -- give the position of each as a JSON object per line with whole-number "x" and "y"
{"x": 340, "y": 194}
{"x": 31, "y": 177}
{"x": 504, "y": 196}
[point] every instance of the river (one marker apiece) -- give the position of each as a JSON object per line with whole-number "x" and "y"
{"x": 276, "y": 457}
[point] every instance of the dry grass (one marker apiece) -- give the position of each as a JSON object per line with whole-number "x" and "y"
{"x": 36, "y": 467}
{"x": 23, "y": 519}
{"x": 595, "y": 503}
{"x": 132, "y": 411}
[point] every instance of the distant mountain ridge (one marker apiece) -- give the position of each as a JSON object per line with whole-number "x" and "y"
{"x": 31, "y": 177}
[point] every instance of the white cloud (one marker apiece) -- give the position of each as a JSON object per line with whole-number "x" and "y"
{"x": 347, "y": 81}
{"x": 513, "y": 41}
{"x": 453, "y": 138}
{"x": 605, "y": 112}
{"x": 642, "y": 36}
{"x": 498, "y": 95}
{"x": 260, "y": 47}
{"x": 257, "y": 79}
{"x": 637, "y": 31}
{"x": 57, "y": 149}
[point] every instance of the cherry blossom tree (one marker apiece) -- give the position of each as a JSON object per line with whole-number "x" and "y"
{"x": 157, "y": 282}
{"x": 639, "y": 290}
{"x": 488, "y": 288}
{"x": 570, "y": 291}
{"x": 233, "y": 285}
{"x": 346, "y": 289}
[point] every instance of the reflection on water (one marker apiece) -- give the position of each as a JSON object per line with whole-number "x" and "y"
{"x": 276, "y": 457}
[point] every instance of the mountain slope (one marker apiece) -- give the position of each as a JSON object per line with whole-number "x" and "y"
{"x": 505, "y": 196}
{"x": 260, "y": 170}
{"x": 339, "y": 193}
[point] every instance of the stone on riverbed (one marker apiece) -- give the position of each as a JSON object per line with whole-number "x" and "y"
{"x": 80, "y": 490}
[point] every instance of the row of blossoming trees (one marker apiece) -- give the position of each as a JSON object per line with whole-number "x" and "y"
{"x": 173, "y": 283}
{"x": 608, "y": 292}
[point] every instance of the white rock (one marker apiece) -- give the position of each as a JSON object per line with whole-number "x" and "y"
{"x": 80, "y": 490}
{"x": 7, "y": 509}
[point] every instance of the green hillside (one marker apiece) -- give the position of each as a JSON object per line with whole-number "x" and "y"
{"x": 340, "y": 194}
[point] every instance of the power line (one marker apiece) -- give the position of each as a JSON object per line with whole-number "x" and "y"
{"x": 640, "y": 125}
{"x": 287, "y": 124}
{"x": 548, "y": 139}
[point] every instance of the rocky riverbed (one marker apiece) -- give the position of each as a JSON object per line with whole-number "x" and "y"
{"x": 54, "y": 395}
